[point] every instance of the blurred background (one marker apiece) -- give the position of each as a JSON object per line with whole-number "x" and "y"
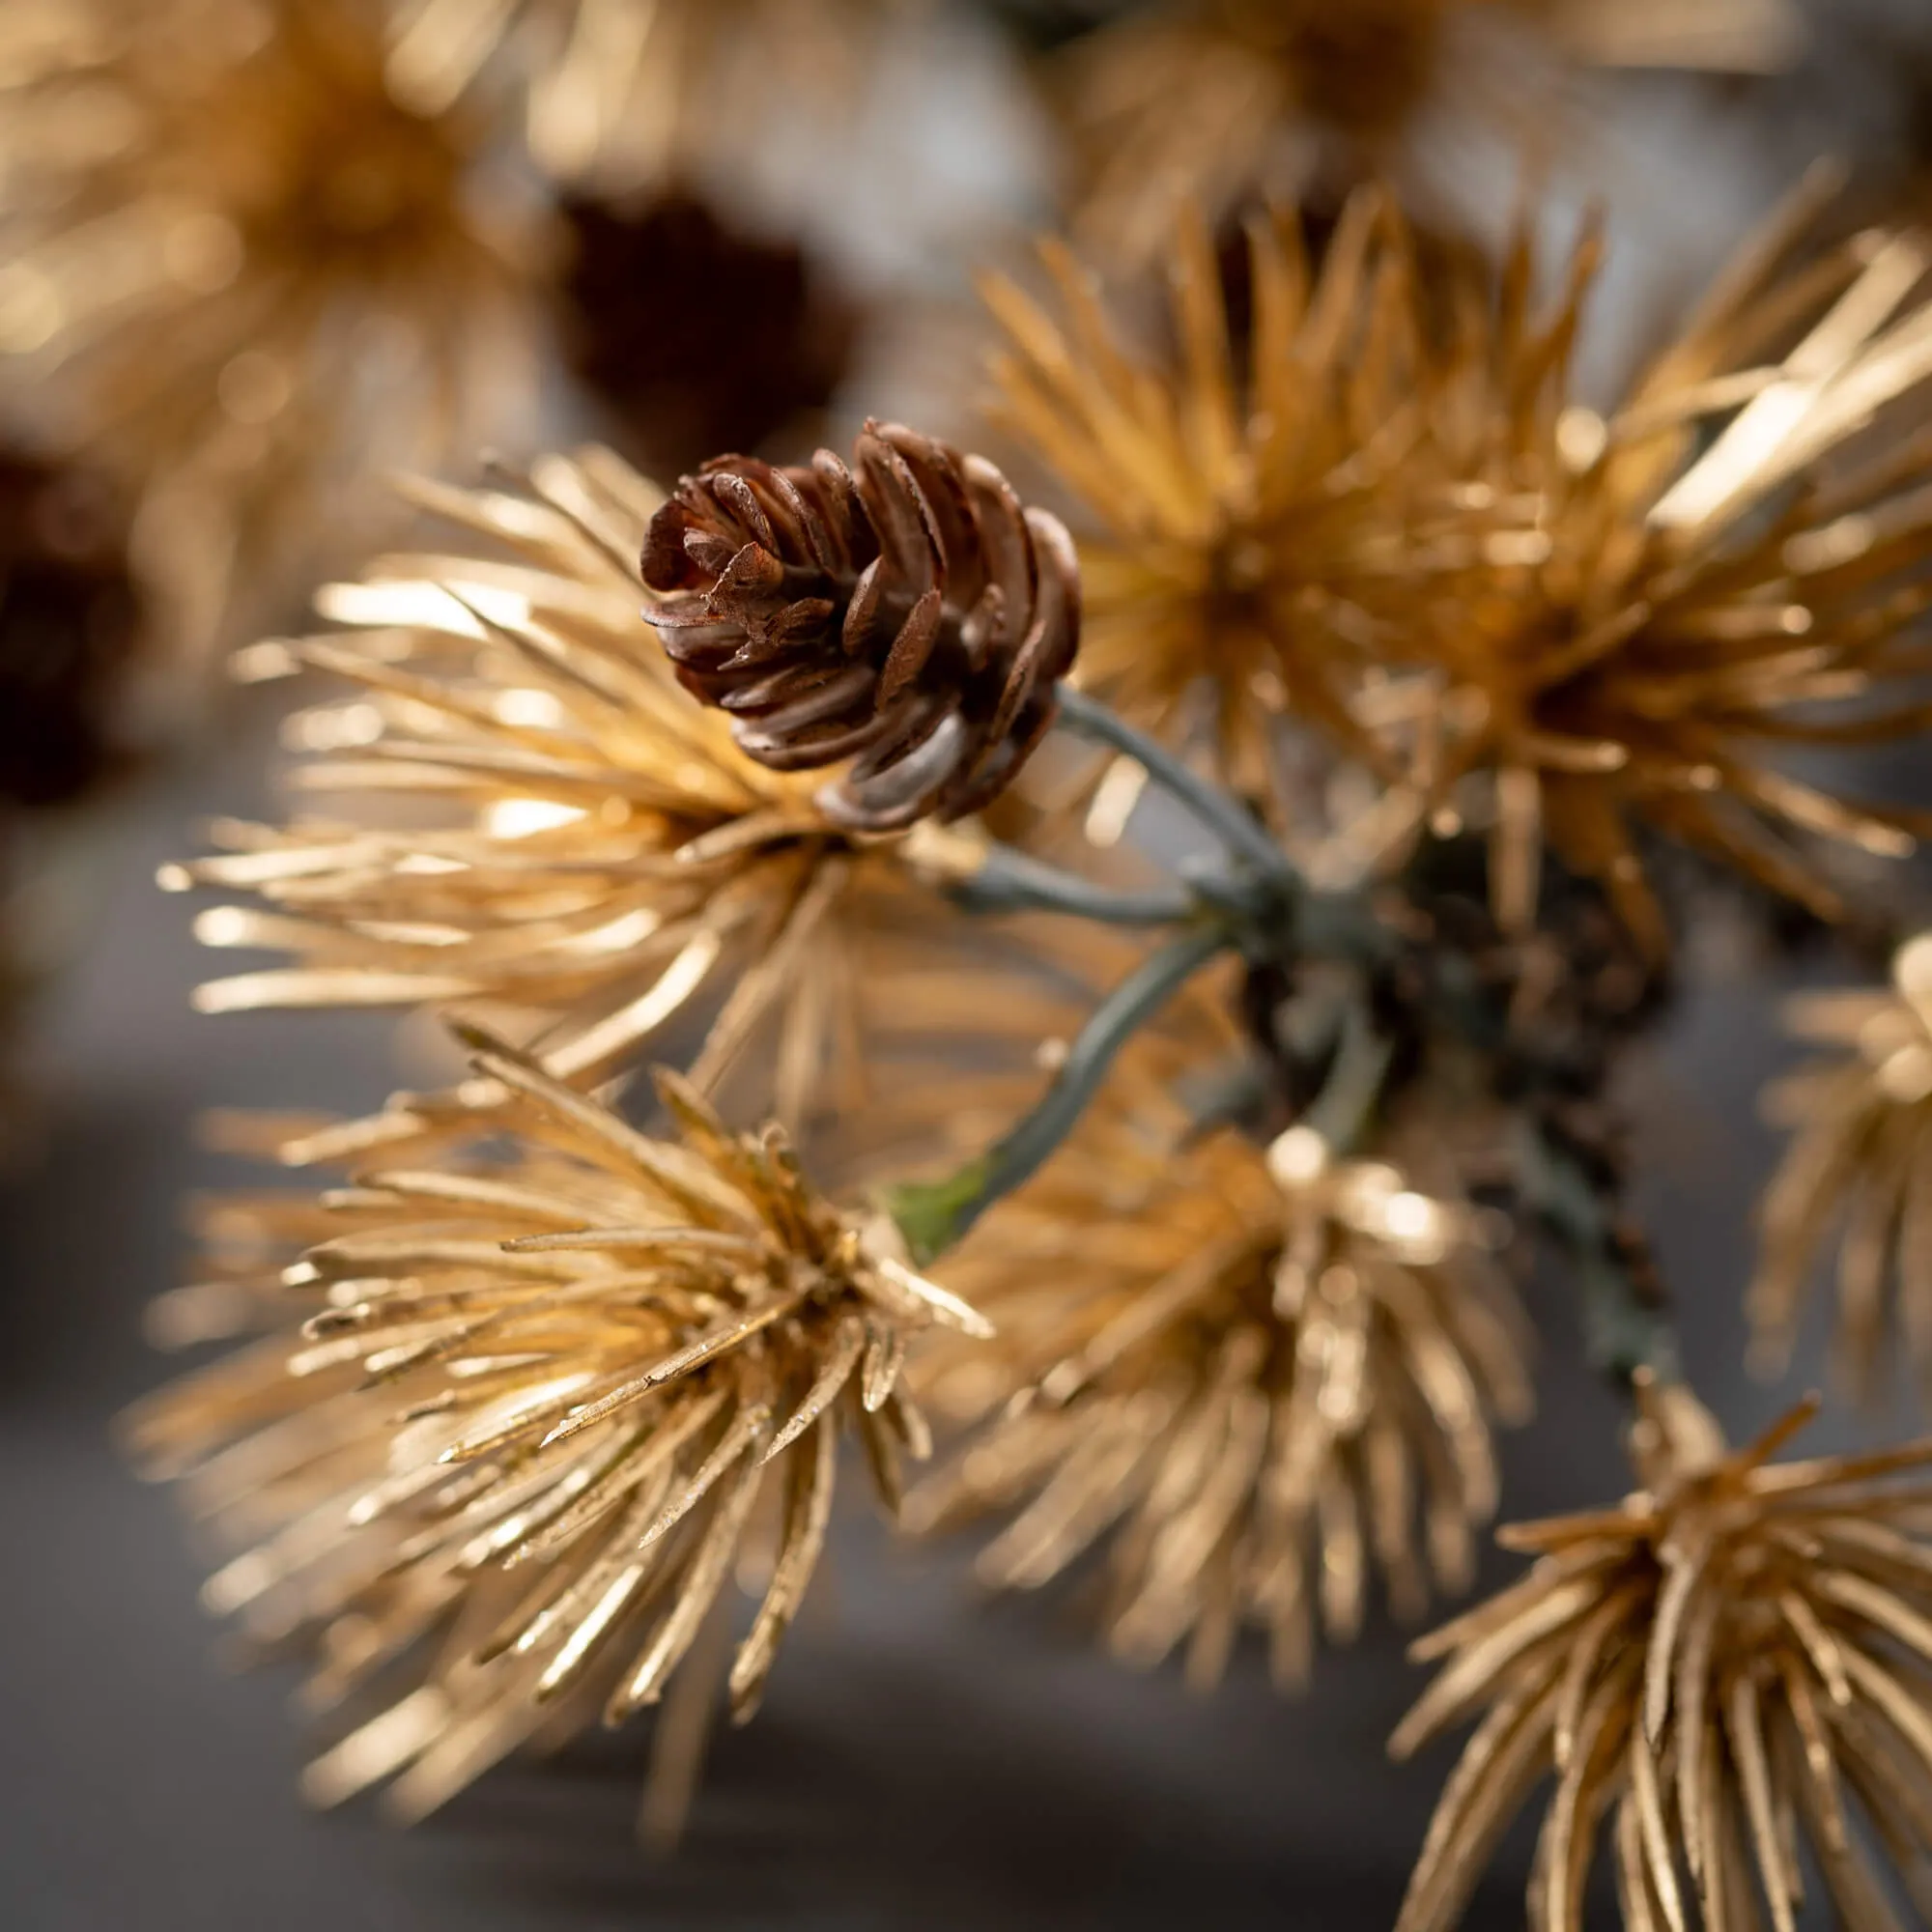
{"x": 255, "y": 259}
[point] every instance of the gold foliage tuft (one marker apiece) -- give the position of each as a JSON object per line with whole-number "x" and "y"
{"x": 1737, "y": 1654}
{"x": 522, "y": 810}
{"x": 1637, "y": 615}
{"x": 1248, "y": 514}
{"x": 1858, "y": 1174}
{"x": 532, "y": 1420}
{"x": 1253, "y": 1376}
{"x": 1211, "y": 101}
{"x": 1395, "y": 525}
{"x": 623, "y": 93}
{"x": 1659, "y": 602}
{"x": 1208, "y": 103}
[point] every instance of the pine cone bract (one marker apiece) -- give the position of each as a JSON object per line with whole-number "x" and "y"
{"x": 907, "y": 613}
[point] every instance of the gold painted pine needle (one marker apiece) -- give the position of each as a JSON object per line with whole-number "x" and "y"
{"x": 1252, "y": 1378}
{"x": 1391, "y": 523}
{"x": 1725, "y": 1676}
{"x": 518, "y": 808}
{"x": 1657, "y": 605}
{"x": 1214, "y": 103}
{"x": 1857, "y": 1176}
{"x": 542, "y": 1404}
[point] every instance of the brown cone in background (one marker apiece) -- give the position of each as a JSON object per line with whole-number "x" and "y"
{"x": 767, "y": 346}
{"x": 70, "y": 624}
{"x": 907, "y": 613}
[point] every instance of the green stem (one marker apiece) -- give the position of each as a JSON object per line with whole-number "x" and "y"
{"x": 1012, "y": 881}
{"x": 1627, "y": 1325}
{"x": 1235, "y": 826}
{"x": 1341, "y": 1113}
{"x": 933, "y": 1215}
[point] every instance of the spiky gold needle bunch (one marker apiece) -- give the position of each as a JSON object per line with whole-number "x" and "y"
{"x": 536, "y": 817}
{"x": 1215, "y": 100}
{"x": 1737, "y": 1654}
{"x": 533, "y": 1421}
{"x": 623, "y": 93}
{"x": 1721, "y": 568}
{"x": 1253, "y": 1376}
{"x": 1397, "y": 525}
{"x": 1247, "y": 514}
{"x": 1857, "y": 1174}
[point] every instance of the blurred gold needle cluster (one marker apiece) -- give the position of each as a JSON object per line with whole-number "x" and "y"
{"x": 543, "y": 1403}
{"x": 1208, "y": 104}
{"x": 1728, "y": 1672}
{"x": 1214, "y": 101}
{"x": 521, "y": 809}
{"x": 1856, "y": 1176}
{"x": 250, "y": 281}
{"x": 624, "y": 93}
{"x": 1252, "y": 1376}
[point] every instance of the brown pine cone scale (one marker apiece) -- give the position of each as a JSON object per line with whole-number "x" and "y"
{"x": 71, "y": 633}
{"x": 908, "y": 615}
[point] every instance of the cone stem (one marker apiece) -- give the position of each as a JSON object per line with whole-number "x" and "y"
{"x": 1236, "y": 828}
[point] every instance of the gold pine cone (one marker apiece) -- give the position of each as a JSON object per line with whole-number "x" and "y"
{"x": 1856, "y": 1176}
{"x": 521, "y": 810}
{"x": 243, "y": 274}
{"x": 1737, "y": 1652}
{"x": 532, "y": 1421}
{"x": 908, "y": 618}
{"x": 1253, "y": 1376}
